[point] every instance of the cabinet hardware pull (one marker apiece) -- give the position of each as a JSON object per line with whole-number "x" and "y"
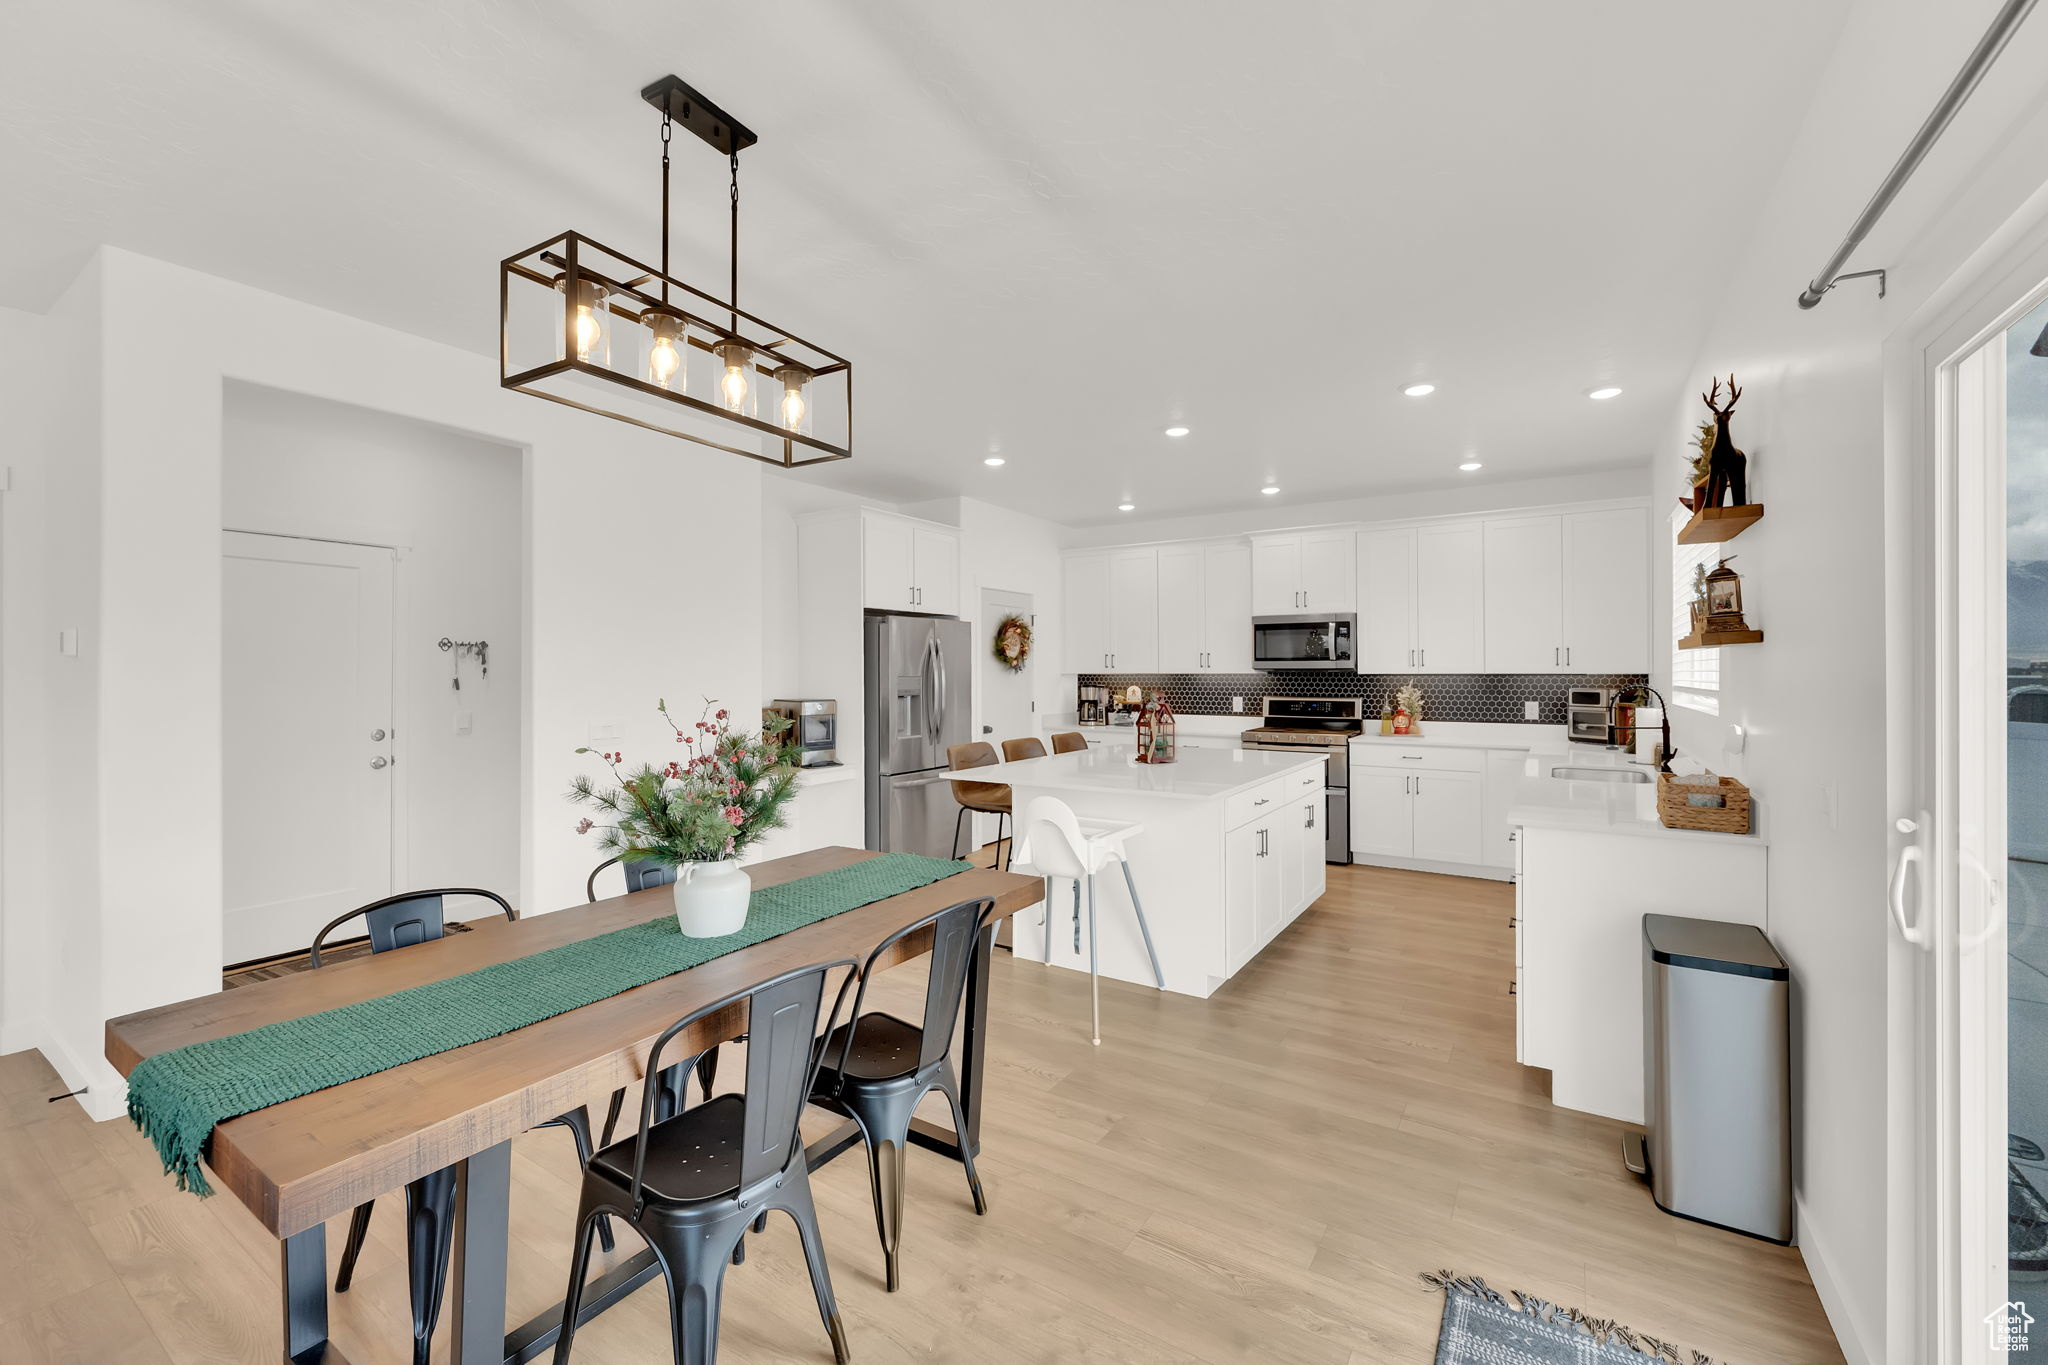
{"x": 1262, "y": 801}
{"x": 1567, "y": 656}
{"x": 1417, "y": 757}
{"x": 1511, "y": 988}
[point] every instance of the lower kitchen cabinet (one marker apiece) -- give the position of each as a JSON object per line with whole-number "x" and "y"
{"x": 1429, "y": 814}
{"x": 1447, "y": 808}
{"x": 1273, "y": 868}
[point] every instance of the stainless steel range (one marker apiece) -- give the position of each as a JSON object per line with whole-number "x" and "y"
{"x": 1325, "y": 725}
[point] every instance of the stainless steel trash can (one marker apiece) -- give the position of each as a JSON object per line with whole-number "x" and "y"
{"x": 1717, "y": 1086}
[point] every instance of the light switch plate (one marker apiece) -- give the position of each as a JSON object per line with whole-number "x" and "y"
{"x": 67, "y": 643}
{"x": 1532, "y": 710}
{"x": 465, "y": 720}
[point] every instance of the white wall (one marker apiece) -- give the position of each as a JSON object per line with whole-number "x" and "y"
{"x": 607, "y": 509}
{"x": 450, "y": 503}
{"x": 1813, "y": 695}
{"x": 1468, "y": 499}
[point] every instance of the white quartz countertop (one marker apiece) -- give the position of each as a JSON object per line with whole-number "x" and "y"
{"x": 1545, "y": 802}
{"x": 1196, "y": 775}
{"x": 1451, "y": 734}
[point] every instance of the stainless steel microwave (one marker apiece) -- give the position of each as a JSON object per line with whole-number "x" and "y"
{"x": 1281, "y": 644}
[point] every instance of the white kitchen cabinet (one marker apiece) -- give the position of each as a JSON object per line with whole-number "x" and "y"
{"x": 1183, "y": 615}
{"x": 1386, "y": 600}
{"x": 935, "y": 569}
{"x": 1524, "y": 584}
{"x": 1569, "y": 593}
{"x": 1447, "y": 809}
{"x": 1382, "y": 821}
{"x": 1205, "y": 611}
{"x": 1240, "y": 893}
{"x": 1410, "y": 806}
{"x": 1304, "y": 571}
{"x": 1227, "y": 608}
{"x": 1606, "y": 591}
{"x": 909, "y": 565}
{"x": 1086, "y": 598}
{"x": 1504, "y": 768}
{"x": 1311, "y": 853}
{"x": 1421, "y": 599}
{"x": 1134, "y": 611}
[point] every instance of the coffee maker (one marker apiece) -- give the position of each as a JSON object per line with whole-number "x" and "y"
{"x": 1091, "y": 706}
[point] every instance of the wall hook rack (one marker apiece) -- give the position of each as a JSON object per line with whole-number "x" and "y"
{"x": 457, "y": 648}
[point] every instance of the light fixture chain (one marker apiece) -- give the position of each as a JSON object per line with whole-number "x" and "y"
{"x": 734, "y": 296}
{"x": 665, "y": 122}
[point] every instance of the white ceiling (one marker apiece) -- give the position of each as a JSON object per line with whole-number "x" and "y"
{"x": 1049, "y": 227}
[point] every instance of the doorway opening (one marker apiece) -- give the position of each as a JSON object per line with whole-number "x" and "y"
{"x": 361, "y": 758}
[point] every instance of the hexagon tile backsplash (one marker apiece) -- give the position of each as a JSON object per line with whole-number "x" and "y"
{"x": 1494, "y": 697}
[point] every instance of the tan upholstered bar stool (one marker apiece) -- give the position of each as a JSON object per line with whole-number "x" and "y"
{"x": 986, "y": 798}
{"x": 1069, "y": 742}
{"x": 1015, "y": 750}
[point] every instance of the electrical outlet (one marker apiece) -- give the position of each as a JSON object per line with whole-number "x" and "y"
{"x": 67, "y": 643}
{"x": 1237, "y": 704}
{"x": 464, "y": 722}
{"x": 1532, "y": 710}
{"x": 603, "y": 731}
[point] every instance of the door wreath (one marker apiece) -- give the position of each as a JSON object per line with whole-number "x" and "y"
{"x": 1013, "y": 642}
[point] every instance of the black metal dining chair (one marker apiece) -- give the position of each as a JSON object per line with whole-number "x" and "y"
{"x": 692, "y": 1184}
{"x": 877, "y": 1067}
{"x": 401, "y": 921}
{"x": 642, "y": 876}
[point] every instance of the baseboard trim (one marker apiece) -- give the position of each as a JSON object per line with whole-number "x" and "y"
{"x": 1854, "y": 1349}
{"x": 1492, "y": 874}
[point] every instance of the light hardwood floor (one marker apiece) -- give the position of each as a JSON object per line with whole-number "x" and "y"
{"x": 1256, "y": 1177}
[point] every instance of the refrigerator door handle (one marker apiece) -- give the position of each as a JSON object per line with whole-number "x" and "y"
{"x": 928, "y": 673}
{"x": 939, "y": 663}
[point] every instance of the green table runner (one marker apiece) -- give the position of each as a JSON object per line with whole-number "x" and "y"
{"x": 177, "y": 1097}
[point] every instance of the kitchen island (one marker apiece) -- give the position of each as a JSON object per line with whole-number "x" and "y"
{"x": 1230, "y": 852}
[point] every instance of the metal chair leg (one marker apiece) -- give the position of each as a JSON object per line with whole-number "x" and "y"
{"x": 572, "y": 1302}
{"x": 358, "y": 1229}
{"x": 611, "y": 1117}
{"x": 885, "y": 1173}
{"x": 1094, "y": 970}
{"x": 1143, "y": 928}
{"x": 577, "y": 1121}
{"x": 796, "y": 1202}
{"x": 951, "y": 1087}
{"x": 958, "y": 821}
{"x": 429, "y": 1245}
{"x": 1003, "y": 821}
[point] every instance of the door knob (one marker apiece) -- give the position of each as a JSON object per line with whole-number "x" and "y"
{"x": 377, "y": 735}
{"x": 380, "y": 762}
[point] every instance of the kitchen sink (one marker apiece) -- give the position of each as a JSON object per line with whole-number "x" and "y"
{"x": 1600, "y": 774}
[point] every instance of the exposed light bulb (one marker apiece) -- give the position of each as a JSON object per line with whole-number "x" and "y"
{"x": 589, "y": 336}
{"x": 735, "y": 389}
{"x": 588, "y": 331}
{"x": 666, "y": 349}
{"x": 1419, "y": 390}
{"x": 795, "y": 410}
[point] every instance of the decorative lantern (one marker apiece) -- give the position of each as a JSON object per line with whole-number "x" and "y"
{"x": 1724, "y": 600}
{"x": 1156, "y": 731}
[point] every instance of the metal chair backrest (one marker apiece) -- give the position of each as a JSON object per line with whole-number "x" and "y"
{"x": 1015, "y": 750}
{"x": 784, "y": 1049}
{"x": 1069, "y": 742}
{"x": 639, "y": 875}
{"x": 1050, "y": 834}
{"x": 954, "y": 931}
{"x": 405, "y": 919}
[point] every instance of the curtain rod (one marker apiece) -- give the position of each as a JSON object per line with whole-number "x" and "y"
{"x": 1988, "y": 47}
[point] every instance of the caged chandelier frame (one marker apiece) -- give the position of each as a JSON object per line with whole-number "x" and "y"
{"x": 586, "y": 326}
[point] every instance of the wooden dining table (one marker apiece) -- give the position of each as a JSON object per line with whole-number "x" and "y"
{"x": 297, "y": 1164}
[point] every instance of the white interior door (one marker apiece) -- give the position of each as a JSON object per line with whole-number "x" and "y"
{"x": 307, "y": 718}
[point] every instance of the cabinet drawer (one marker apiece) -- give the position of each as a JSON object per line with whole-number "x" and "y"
{"x": 1260, "y": 800}
{"x": 1315, "y": 779}
{"x": 1423, "y": 758}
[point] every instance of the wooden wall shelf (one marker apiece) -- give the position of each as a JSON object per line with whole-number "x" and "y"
{"x": 1715, "y": 639}
{"x": 1712, "y": 525}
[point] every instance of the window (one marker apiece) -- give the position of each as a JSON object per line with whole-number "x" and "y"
{"x": 1695, "y": 673}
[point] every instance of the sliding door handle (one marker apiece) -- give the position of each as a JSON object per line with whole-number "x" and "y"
{"x": 1910, "y": 926}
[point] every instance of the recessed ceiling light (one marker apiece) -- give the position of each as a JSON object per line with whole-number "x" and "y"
{"x": 1176, "y": 431}
{"x": 1270, "y": 489}
{"x": 1603, "y": 393}
{"x": 1126, "y": 507}
{"x": 1419, "y": 390}
{"x": 993, "y": 460}
{"x": 1469, "y": 466}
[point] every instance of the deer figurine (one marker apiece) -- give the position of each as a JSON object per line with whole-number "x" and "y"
{"x": 1727, "y": 467}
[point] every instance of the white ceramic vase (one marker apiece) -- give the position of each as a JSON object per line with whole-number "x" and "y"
{"x": 711, "y": 898}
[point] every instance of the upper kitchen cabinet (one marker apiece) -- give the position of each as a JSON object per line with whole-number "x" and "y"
{"x": 1134, "y": 611}
{"x": 1569, "y": 593}
{"x": 909, "y": 565}
{"x": 1304, "y": 571}
{"x": 1205, "y": 608}
{"x": 1086, "y": 597}
{"x": 1421, "y": 599}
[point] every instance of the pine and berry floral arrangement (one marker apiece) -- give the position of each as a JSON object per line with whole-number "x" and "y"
{"x": 731, "y": 787}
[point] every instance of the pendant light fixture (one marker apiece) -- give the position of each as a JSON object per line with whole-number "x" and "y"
{"x": 583, "y": 325}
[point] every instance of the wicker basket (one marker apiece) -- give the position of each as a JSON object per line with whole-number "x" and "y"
{"x": 1677, "y": 811}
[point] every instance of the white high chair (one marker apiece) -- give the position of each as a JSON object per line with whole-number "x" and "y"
{"x": 1050, "y": 841}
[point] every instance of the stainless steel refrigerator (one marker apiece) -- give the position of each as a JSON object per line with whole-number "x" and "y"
{"x": 917, "y": 702}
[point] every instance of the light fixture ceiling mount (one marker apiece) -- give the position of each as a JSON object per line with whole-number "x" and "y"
{"x": 592, "y": 328}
